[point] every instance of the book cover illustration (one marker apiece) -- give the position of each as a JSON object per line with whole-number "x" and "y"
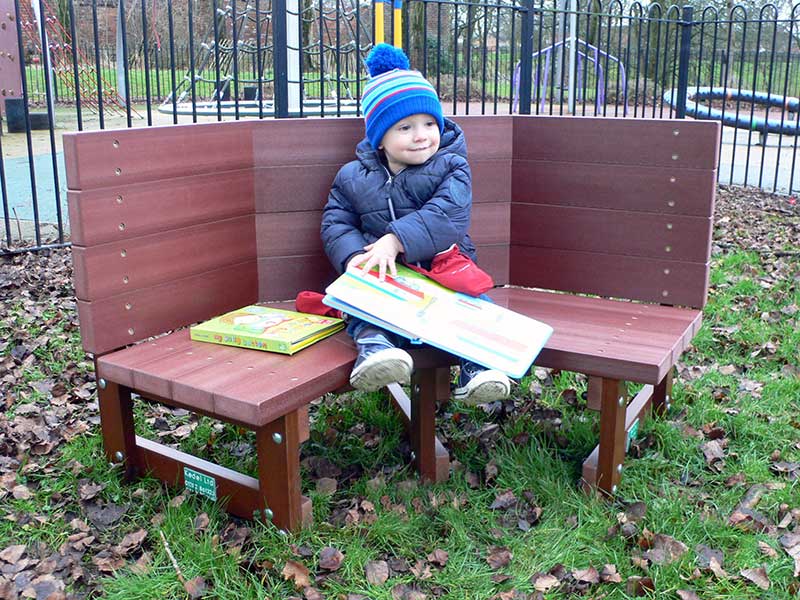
{"x": 266, "y": 328}
{"x": 420, "y": 309}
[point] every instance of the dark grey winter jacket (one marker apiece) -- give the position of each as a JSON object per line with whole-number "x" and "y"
{"x": 426, "y": 206}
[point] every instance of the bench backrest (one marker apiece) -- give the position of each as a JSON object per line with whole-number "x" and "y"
{"x": 614, "y": 207}
{"x": 172, "y": 225}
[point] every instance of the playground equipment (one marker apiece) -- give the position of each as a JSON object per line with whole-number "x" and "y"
{"x": 589, "y": 53}
{"x": 333, "y": 63}
{"x": 65, "y": 59}
{"x": 763, "y": 125}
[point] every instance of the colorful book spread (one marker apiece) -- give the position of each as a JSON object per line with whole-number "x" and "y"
{"x": 266, "y": 328}
{"x": 424, "y": 311}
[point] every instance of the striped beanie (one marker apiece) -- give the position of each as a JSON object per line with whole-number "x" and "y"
{"x": 395, "y": 92}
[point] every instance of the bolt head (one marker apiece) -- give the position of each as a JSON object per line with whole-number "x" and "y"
{"x": 119, "y": 456}
{"x": 102, "y": 383}
{"x": 619, "y": 468}
{"x": 613, "y": 489}
{"x": 621, "y": 400}
{"x": 277, "y": 438}
{"x": 268, "y": 514}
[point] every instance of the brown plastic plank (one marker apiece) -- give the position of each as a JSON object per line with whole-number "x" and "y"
{"x": 488, "y": 136}
{"x": 491, "y": 180}
{"x": 119, "y": 157}
{"x": 603, "y": 231}
{"x": 606, "y": 338}
{"x": 611, "y": 449}
{"x": 118, "y": 321}
{"x": 491, "y": 223}
{"x": 620, "y": 187}
{"x": 289, "y": 233}
{"x": 282, "y": 277}
{"x": 122, "y": 267}
{"x": 307, "y": 141}
{"x": 119, "y": 366}
{"x": 293, "y": 187}
{"x": 629, "y": 141}
{"x": 117, "y": 426}
{"x": 292, "y": 383}
{"x": 494, "y": 259}
{"x": 635, "y": 278}
{"x": 119, "y": 212}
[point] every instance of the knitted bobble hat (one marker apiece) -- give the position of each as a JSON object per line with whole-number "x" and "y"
{"x": 395, "y": 92}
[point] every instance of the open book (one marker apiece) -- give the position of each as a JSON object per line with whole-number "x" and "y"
{"x": 266, "y": 328}
{"x": 424, "y": 311}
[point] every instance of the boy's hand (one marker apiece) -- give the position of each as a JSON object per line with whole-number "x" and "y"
{"x": 383, "y": 252}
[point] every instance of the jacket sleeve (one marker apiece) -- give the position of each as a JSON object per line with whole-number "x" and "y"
{"x": 341, "y": 236}
{"x": 443, "y": 220}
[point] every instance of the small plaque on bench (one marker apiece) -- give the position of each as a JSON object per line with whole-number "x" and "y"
{"x": 201, "y": 483}
{"x": 632, "y": 433}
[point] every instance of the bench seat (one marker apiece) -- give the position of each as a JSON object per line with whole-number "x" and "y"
{"x": 606, "y": 338}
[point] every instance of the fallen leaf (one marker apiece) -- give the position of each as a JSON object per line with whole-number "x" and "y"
{"x": 687, "y": 595}
{"x": 330, "y": 559}
{"x": 758, "y": 576}
{"x": 297, "y": 573}
{"x": 499, "y": 557}
{"x": 13, "y": 553}
{"x": 377, "y": 572}
{"x": 130, "y": 542}
{"x": 504, "y": 500}
{"x": 609, "y": 574}
{"x": 195, "y": 587}
{"x": 589, "y": 575}
{"x": 543, "y": 582}
{"x": 767, "y": 550}
{"x": 326, "y": 485}
{"x": 791, "y": 543}
{"x": 438, "y": 557}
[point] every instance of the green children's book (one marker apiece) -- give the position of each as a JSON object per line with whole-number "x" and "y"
{"x": 266, "y": 328}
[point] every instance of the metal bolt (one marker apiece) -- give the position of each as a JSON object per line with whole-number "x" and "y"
{"x": 119, "y": 456}
{"x": 102, "y": 384}
{"x": 277, "y": 438}
{"x": 676, "y": 132}
{"x": 268, "y": 514}
{"x": 619, "y": 468}
{"x": 613, "y": 489}
{"x": 622, "y": 400}
{"x": 668, "y": 398}
{"x": 416, "y": 389}
{"x": 674, "y": 157}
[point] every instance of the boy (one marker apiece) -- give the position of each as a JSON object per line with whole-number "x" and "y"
{"x": 409, "y": 192}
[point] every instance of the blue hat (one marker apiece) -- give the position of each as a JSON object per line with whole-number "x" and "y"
{"x": 395, "y": 92}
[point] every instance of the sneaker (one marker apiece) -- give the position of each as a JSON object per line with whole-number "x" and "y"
{"x": 379, "y": 363}
{"x": 477, "y": 384}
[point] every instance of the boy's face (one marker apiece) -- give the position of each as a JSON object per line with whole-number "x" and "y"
{"x": 410, "y": 141}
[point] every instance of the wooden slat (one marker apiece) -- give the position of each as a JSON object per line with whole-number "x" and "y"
{"x": 293, "y": 187}
{"x": 307, "y": 141}
{"x": 488, "y": 136}
{"x": 289, "y": 233}
{"x": 282, "y": 277}
{"x": 494, "y": 259}
{"x": 629, "y": 141}
{"x": 292, "y": 382}
{"x": 491, "y": 180}
{"x": 122, "y": 267}
{"x": 490, "y": 223}
{"x": 118, "y": 157}
{"x": 126, "y": 211}
{"x": 117, "y": 321}
{"x": 646, "y": 279}
{"x": 619, "y": 187}
{"x": 607, "y": 338}
{"x": 651, "y": 235}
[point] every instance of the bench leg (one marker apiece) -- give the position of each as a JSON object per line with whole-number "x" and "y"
{"x": 602, "y": 470}
{"x": 428, "y": 386}
{"x": 116, "y": 423}
{"x": 278, "y": 448}
{"x": 662, "y": 395}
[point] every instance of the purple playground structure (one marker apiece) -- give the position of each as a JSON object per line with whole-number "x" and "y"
{"x": 589, "y": 53}
{"x": 735, "y": 118}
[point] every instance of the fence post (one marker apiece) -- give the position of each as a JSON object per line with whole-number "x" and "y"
{"x": 281, "y": 58}
{"x": 683, "y": 61}
{"x": 526, "y": 60}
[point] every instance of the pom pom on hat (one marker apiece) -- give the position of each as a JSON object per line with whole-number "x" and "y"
{"x": 395, "y": 92}
{"x": 384, "y": 57}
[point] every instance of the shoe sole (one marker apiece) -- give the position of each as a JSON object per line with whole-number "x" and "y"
{"x": 486, "y": 386}
{"x": 382, "y": 368}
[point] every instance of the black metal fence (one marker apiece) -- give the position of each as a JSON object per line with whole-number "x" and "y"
{"x": 152, "y": 62}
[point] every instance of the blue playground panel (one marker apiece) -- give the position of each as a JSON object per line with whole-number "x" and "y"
{"x": 18, "y": 186}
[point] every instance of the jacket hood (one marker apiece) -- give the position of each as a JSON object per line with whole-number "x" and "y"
{"x": 452, "y": 141}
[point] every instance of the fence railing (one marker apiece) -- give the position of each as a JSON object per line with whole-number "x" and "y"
{"x": 140, "y": 63}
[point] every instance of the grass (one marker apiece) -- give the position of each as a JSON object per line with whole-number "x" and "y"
{"x": 739, "y": 376}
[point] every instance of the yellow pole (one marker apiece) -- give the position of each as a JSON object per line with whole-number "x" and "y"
{"x": 397, "y": 38}
{"x": 378, "y": 10}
